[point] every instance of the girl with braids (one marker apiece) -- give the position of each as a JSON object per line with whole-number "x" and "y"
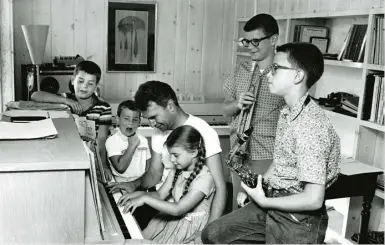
{"x": 190, "y": 185}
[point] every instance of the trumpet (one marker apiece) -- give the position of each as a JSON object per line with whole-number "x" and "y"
{"x": 238, "y": 156}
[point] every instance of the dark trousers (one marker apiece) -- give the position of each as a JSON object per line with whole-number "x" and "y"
{"x": 253, "y": 224}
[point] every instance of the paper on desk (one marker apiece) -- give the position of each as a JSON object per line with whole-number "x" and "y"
{"x": 31, "y": 130}
{"x": 350, "y": 166}
{"x": 26, "y": 113}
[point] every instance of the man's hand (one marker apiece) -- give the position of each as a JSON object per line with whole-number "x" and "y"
{"x": 241, "y": 198}
{"x": 108, "y": 174}
{"x": 257, "y": 193}
{"x": 75, "y": 106}
{"x": 133, "y": 140}
{"x": 126, "y": 186}
{"x": 195, "y": 237}
{"x": 245, "y": 100}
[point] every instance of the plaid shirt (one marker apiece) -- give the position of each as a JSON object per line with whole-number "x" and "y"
{"x": 266, "y": 109}
{"x": 307, "y": 148}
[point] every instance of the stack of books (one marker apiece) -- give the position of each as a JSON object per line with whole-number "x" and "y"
{"x": 373, "y": 109}
{"x": 353, "y": 48}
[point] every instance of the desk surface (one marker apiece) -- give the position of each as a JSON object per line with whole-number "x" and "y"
{"x": 64, "y": 152}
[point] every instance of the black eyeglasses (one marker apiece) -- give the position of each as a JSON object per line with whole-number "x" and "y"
{"x": 255, "y": 41}
{"x": 275, "y": 67}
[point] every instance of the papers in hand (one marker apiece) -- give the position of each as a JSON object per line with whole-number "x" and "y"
{"x": 86, "y": 128}
{"x": 32, "y": 130}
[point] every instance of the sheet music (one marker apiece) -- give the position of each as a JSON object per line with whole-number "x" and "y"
{"x": 86, "y": 128}
{"x": 31, "y": 130}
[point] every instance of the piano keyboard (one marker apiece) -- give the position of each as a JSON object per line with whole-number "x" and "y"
{"x": 127, "y": 222}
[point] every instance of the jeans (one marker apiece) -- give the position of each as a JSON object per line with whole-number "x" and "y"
{"x": 253, "y": 224}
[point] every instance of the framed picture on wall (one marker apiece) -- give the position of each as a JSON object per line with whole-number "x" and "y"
{"x": 321, "y": 43}
{"x": 131, "y": 37}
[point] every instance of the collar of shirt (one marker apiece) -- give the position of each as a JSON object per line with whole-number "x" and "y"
{"x": 249, "y": 65}
{"x": 121, "y": 135}
{"x": 291, "y": 114}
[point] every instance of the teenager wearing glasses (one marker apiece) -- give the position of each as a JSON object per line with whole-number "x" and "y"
{"x": 261, "y": 35}
{"x": 306, "y": 162}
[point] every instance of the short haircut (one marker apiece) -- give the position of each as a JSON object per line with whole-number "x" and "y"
{"x": 307, "y": 57}
{"x": 265, "y": 22}
{"x": 89, "y": 67}
{"x": 156, "y": 91}
{"x": 129, "y": 104}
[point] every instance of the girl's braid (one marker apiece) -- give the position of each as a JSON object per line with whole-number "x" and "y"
{"x": 177, "y": 173}
{"x": 198, "y": 166}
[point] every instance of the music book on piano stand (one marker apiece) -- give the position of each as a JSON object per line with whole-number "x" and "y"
{"x": 30, "y": 130}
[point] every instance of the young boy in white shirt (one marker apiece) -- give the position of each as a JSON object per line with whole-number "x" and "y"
{"x": 128, "y": 152}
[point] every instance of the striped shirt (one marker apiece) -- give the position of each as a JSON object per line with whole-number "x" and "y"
{"x": 100, "y": 111}
{"x": 266, "y": 110}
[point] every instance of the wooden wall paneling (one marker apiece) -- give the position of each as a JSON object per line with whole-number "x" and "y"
{"x": 80, "y": 29}
{"x": 96, "y": 41}
{"x": 228, "y": 42}
{"x": 22, "y": 14}
{"x": 281, "y": 7}
{"x": 282, "y": 25}
{"x": 342, "y": 5}
{"x": 42, "y": 16}
{"x": 325, "y": 5}
{"x": 251, "y": 7}
{"x": 130, "y": 85}
{"x": 313, "y": 6}
{"x": 194, "y": 46}
{"x": 212, "y": 47}
{"x": 240, "y": 9}
{"x": 373, "y": 3}
{"x": 6, "y": 54}
{"x": 303, "y": 6}
{"x": 62, "y": 27}
{"x": 166, "y": 40}
{"x": 181, "y": 45}
{"x": 382, "y": 3}
{"x": 263, "y": 6}
{"x": 114, "y": 86}
{"x": 291, "y": 6}
{"x": 355, "y": 4}
{"x": 273, "y": 8}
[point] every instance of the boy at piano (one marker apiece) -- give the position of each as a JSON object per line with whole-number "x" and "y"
{"x": 128, "y": 151}
{"x": 190, "y": 184}
{"x": 85, "y": 103}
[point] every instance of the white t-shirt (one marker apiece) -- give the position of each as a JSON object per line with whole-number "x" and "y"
{"x": 209, "y": 135}
{"x": 117, "y": 144}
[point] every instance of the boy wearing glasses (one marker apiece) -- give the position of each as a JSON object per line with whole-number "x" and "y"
{"x": 306, "y": 163}
{"x": 128, "y": 152}
{"x": 261, "y": 35}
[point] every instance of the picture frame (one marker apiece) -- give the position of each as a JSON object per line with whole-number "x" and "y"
{"x": 131, "y": 37}
{"x": 321, "y": 42}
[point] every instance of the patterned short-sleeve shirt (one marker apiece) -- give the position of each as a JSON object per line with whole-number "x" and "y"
{"x": 307, "y": 148}
{"x": 266, "y": 109}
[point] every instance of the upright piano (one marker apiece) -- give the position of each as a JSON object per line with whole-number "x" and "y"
{"x": 46, "y": 197}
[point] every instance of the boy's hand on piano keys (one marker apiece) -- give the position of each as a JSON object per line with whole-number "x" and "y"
{"x": 116, "y": 187}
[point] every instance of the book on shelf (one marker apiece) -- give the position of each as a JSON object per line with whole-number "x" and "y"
{"x": 373, "y": 108}
{"x": 376, "y": 55}
{"x": 302, "y": 33}
{"x": 353, "y": 47}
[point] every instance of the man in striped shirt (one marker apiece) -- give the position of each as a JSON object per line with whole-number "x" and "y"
{"x": 85, "y": 103}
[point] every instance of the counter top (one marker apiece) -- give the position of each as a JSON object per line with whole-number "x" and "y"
{"x": 64, "y": 152}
